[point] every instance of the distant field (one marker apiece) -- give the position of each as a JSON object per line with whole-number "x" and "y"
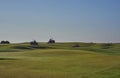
{"x": 60, "y": 60}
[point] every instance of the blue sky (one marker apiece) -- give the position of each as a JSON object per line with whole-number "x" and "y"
{"x": 63, "y": 20}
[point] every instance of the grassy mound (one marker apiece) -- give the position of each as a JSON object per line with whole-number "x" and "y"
{"x": 60, "y": 60}
{"x": 96, "y": 47}
{"x": 57, "y": 63}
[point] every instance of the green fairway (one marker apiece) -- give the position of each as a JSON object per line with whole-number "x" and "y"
{"x": 60, "y": 60}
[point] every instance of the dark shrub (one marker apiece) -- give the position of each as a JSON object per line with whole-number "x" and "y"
{"x": 5, "y": 42}
{"x": 76, "y": 45}
{"x": 34, "y": 43}
{"x": 51, "y": 41}
{"x": 106, "y": 45}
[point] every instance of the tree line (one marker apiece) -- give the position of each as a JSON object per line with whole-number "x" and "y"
{"x": 34, "y": 42}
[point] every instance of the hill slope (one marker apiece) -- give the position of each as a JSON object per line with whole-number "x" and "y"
{"x": 60, "y": 60}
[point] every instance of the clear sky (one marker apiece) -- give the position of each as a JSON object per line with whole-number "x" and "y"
{"x": 62, "y": 20}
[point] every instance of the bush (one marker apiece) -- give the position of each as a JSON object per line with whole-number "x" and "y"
{"x": 106, "y": 45}
{"x": 5, "y": 42}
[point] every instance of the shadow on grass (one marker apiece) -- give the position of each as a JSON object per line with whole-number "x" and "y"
{"x": 7, "y": 59}
{"x": 9, "y": 50}
{"x": 31, "y": 47}
{"x": 22, "y": 47}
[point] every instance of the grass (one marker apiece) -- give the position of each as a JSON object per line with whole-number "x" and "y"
{"x": 60, "y": 60}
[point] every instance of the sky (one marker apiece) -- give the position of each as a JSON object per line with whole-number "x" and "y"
{"x": 62, "y": 20}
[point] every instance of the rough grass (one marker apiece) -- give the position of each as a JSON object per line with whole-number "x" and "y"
{"x": 60, "y": 61}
